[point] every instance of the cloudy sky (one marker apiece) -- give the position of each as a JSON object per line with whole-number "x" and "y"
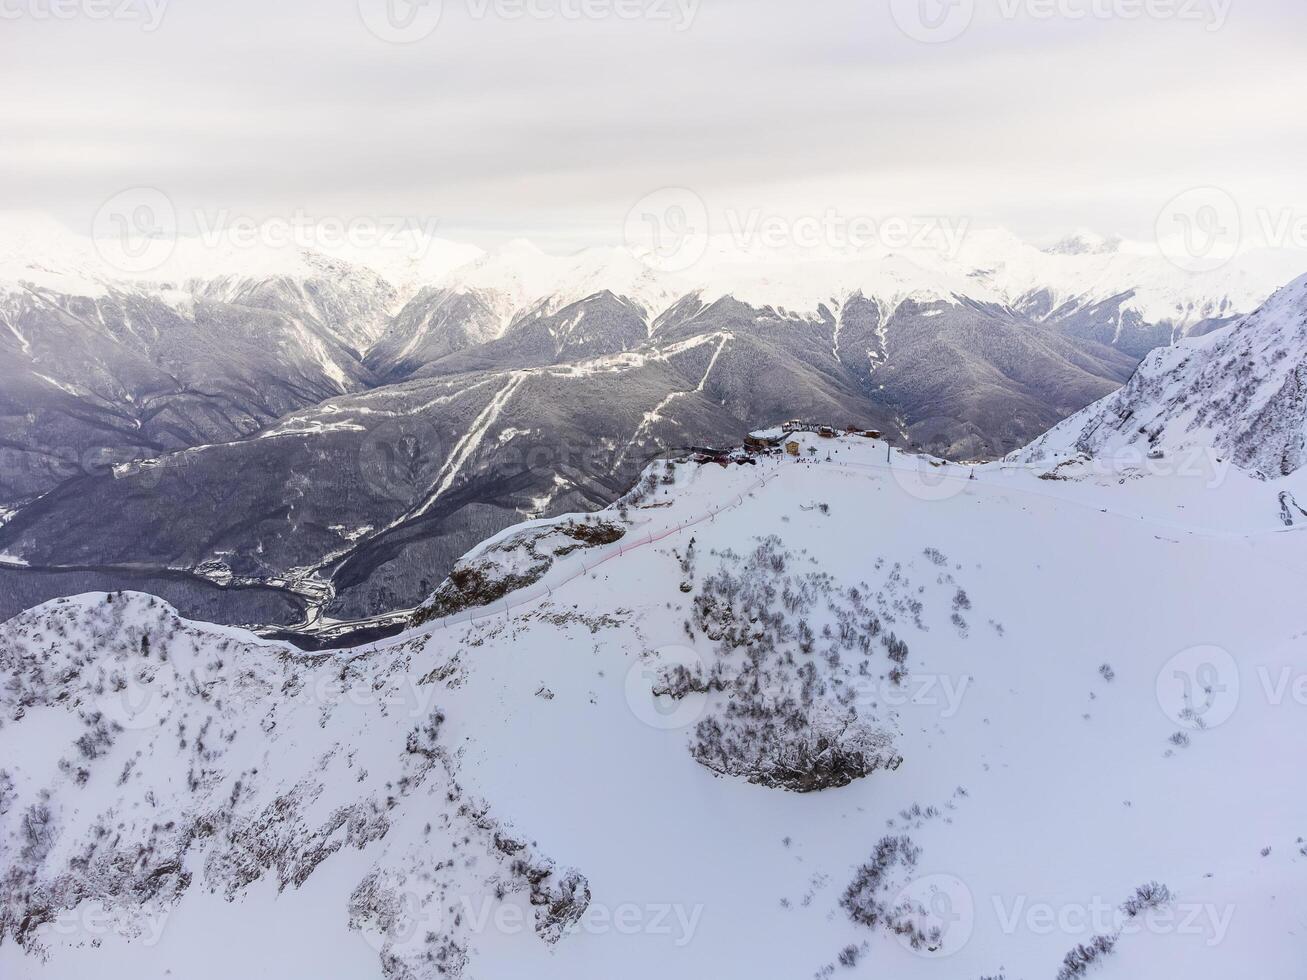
{"x": 551, "y": 118}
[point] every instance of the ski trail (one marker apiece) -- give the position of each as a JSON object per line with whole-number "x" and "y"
{"x": 27, "y": 346}
{"x": 653, "y": 416}
{"x": 883, "y": 314}
{"x": 835, "y": 342}
{"x": 471, "y": 440}
{"x": 713, "y": 363}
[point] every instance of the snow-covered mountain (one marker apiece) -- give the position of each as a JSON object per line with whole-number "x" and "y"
{"x": 1123, "y": 294}
{"x": 796, "y": 719}
{"x": 1241, "y": 392}
{"x": 210, "y": 430}
{"x": 100, "y": 366}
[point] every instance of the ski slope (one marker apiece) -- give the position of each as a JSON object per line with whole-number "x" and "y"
{"x": 1046, "y": 792}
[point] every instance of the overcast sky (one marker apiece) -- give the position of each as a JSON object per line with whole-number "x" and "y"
{"x": 552, "y": 127}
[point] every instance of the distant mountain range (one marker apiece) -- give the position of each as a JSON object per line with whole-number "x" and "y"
{"x": 265, "y": 435}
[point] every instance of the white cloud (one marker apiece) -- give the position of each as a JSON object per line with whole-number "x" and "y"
{"x": 552, "y": 127}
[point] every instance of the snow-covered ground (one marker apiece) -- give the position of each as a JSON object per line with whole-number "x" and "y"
{"x": 1081, "y": 687}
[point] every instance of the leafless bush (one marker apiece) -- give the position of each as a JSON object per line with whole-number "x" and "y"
{"x": 1148, "y": 896}
{"x": 1077, "y": 962}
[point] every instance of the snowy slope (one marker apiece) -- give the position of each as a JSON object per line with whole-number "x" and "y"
{"x": 1241, "y": 392}
{"x": 1020, "y": 654}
